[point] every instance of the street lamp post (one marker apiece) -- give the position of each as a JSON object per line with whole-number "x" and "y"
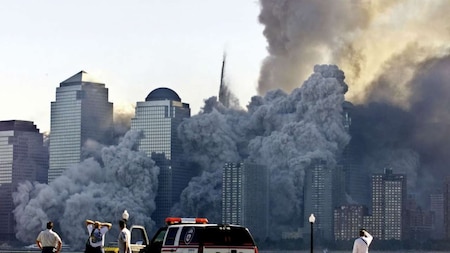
{"x": 312, "y": 219}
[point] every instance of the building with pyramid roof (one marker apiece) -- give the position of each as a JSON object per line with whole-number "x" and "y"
{"x": 80, "y": 113}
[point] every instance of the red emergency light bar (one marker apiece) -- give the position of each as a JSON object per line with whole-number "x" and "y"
{"x": 177, "y": 220}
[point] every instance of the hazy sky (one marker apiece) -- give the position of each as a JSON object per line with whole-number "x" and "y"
{"x": 131, "y": 46}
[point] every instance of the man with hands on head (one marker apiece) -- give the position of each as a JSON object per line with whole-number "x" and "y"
{"x": 362, "y": 243}
{"x": 97, "y": 231}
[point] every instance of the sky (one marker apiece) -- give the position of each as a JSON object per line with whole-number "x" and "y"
{"x": 132, "y": 47}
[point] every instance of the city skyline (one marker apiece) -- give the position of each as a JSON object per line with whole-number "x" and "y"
{"x": 268, "y": 44}
{"x": 133, "y": 48}
{"x": 392, "y": 67}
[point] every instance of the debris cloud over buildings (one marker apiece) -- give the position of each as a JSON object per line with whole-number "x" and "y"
{"x": 391, "y": 56}
{"x": 281, "y": 131}
{"x": 98, "y": 190}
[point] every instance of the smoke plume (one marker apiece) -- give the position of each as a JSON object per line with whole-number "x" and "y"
{"x": 284, "y": 132}
{"x": 369, "y": 40}
{"x": 125, "y": 179}
{"x": 395, "y": 55}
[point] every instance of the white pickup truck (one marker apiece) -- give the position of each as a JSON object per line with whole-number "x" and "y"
{"x": 139, "y": 240}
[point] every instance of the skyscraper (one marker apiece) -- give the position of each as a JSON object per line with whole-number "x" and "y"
{"x": 81, "y": 112}
{"x": 245, "y": 197}
{"x": 388, "y": 205}
{"x": 159, "y": 117}
{"x": 318, "y": 199}
{"x": 23, "y": 156}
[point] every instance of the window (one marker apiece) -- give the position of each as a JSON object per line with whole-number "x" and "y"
{"x": 171, "y": 234}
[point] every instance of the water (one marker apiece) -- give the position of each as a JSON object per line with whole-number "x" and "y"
{"x": 262, "y": 251}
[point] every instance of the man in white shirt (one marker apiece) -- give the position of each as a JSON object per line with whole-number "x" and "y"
{"x": 124, "y": 238}
{"x": 48, "y": 240}
{"x": 361, "y": 244}
{"x": 96, "y": 231}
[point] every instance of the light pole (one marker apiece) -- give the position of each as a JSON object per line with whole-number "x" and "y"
{"x": 312, "y": 219}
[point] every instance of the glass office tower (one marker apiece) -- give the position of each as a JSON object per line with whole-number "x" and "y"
{"x": 159, "y": 117}
{"x": 81, "y": 112}
{"x": 23, "y": 156}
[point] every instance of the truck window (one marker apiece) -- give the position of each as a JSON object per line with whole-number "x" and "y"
{"x": 170, "y": 237}
{"x": 137, "y": 236}
{"x": 159, "y": 236}
{"x": 189, "y": 236}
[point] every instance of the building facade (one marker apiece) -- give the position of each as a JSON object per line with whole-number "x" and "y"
{"x": 159, "y": 117}
{"x": 80, "y": 113}
{"x": 348, "y": 220}
{"x": 23, "y": 156}
{"x": 245, "y": 197}
{"x": 318, "y": 192}
{"x": 389, "y": 200}
{"x": 437, "y": 208}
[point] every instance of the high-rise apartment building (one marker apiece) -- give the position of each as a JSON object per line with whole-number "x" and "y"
{"x": 23, "y": 156}
{"x": 80, "y": 113}
{"x": 245, "y": 197}
{"x": 388, "y": 205}
{"x": 318, "y": 194}
{"x": 159, "y": 117}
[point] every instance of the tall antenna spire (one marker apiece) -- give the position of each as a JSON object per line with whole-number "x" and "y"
{"x": 223, "y": 90}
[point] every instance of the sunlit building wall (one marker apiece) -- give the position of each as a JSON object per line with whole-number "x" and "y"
{"x": 80, "y": 113}
{"x": 159, "y": 117}
{"x": 23, "y": 156}
{"x": 389, "y": 205}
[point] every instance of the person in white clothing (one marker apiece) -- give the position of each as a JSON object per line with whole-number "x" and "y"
{"x": 96, "y": 231}
{"x": 124, "y": 239}
{"x": 48, "y": 240}
{"x": 362, "y": 243}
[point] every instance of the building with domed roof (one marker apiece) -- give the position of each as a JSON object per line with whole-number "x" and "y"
{"x": 159, "y": 117}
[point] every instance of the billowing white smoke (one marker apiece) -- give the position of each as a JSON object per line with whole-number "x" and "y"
{"x": 284, "y": 132}
{"x": 125, "y": 179}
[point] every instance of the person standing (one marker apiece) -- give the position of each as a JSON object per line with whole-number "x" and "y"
{"x": 124, "y": 238}
{"x": 96, "y": 231}
{"x": 48, "y": 240}
{"x": 362, "y": 243}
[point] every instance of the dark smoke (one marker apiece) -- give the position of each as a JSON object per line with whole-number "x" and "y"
{"x": 284, "y": 132}
{"x": 366, "y": 39}
{"x": 125, "y": 179}
{"x": 395, "y": 57}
